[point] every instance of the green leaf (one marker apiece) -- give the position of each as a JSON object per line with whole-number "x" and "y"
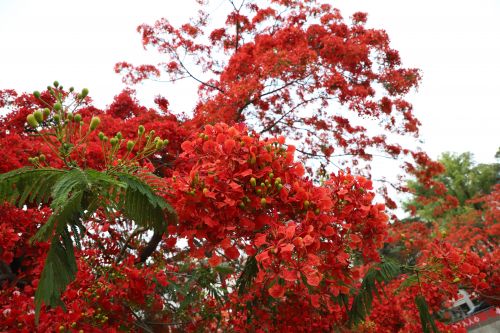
{"x": 58, "y": 272}
{"x": 426, "y": 319}
{"x": 373, "y": 280}
{"x": 143, "y": 206}
{"x": 247, "y": 276}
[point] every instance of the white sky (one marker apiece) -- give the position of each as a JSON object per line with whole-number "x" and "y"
{"x": 455, "y": 43}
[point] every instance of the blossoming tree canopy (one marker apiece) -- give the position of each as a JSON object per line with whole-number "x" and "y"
{"x": 134, "y": 219}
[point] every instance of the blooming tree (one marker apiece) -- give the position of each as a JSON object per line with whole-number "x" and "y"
{"x": 135, "y": 219}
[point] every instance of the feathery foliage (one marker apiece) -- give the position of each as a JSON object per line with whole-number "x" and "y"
{"x": 374, "y": 278}
{"x": 74, "y": 195}
{"x": 426, "y": 319}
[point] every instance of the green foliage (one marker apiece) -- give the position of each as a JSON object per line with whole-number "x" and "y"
{"x": 143, "y": 206}
{"x": 426, "y": 319}
{"x": 373, "y": 280}
{"x": 77, "y": 194}
{"x": 247, "y": 276}
{"x": 463, "y": 180}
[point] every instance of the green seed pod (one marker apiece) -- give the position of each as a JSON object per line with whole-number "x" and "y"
{"x": 84, "y": 93}
{"x": 94, "y": 122}
{"x": 57, "y": 106}
{"x": 46, "y": 113}
{"x": 70, "y": 117}
{"x": 101, "y": 136}
{"x": 36, "y": 94}
{"x": 42, "y": 157}
{"x": 119, "y": 135}
{"x": 262, "y": 185}
{"x": 78, "y": 118}
{"x": 259, "y": 191}
{"x": 317, "y": 211}
{"x": 32, "y": 121}
{"x": 141, "y": 130}
{"x": 113, "y": 141}
{"x": 38, "y": 115}
{"x": 130, "y": 145}
{"x": 253, "y": 181}
{"x": 56, "y": 84}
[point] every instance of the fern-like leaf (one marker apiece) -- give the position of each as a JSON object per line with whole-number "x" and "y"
{"x": 374, "y": 279}
{"x": 426, "y": 319}
{"x": 143, "y": 206}
{"x": 247, "y": 276}
{"x": 59, "y": 271}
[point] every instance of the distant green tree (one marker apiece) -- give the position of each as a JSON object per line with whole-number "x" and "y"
{"x": 449, "y": 195}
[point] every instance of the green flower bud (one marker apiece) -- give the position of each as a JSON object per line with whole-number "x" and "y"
{"x": 94, "y": 122}
{"x": 278, "y": 180}
{"x": 70, "y": 117}
{"x": 253, "y": 181}
{"x": 38, "y": 115}
{"x": 42, "y": 157}
{"x": 165, "y": 142}
{"x": 259, "y": 191}
{"x": 84, "y": 93}
{"x": 57, "y": 106}
{"x": 130, "y": 145}
{"x": 242, "y": 205}
{"x": 141, "y": 130}
{"x": 119, "y": 135}
{"x": 113, "y": 141}
{"x": 279, "y": 187}
{"x": 317, "y": 211}
{"x": 32, "y": 120}
{"x": 71, "y": 89}
{"x": 158, "y": 144}
{"x": 36, "y": 94}
{"x": 306, "y": 204}
{"x": 271, "y": 175}
{"x": 46, "y": 113}
{"x": 56, "y": 84}
{"x": 105, "y": 139}
{"x": 101, "y": 136}
{"x": 78, "y": 118}
{"x": 57, "y": 118}
{"x": 152, "y": 133}
{"x": 263, "y": 201}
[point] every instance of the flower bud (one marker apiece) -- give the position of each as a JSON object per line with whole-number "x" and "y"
{"x": 42, "y": 157}
{"x": 166, "y": 142}
{"x": 263, "y": 201}
{"x": 306, "y": 204}
{"x": 32, "y": 120}
{"x": 130, "y": 145}
{"x": 253, "y": 181}
{"x": 57, "y": 118}
{"x": 78, "y": 118}
{"x": 94, "y": 122}
{"x": 71, "y": 89}
{"x": 101, "y": 136}
{"x": 271, "y": 175}
{"x": 152, "y": 133}
{"x": 119, "y": 135}
{"x": 279, "y": 187}
{"x": 56, "y": 84}
{"x": 38, "y": 115}
{"x": 36, "y": 94}
{"x": 57, "y": 106}
{"x": 46, "y": 113}
{"x": 158, "y": 144}
{"x": 113, "y": 141}
{"x": 141, "y": 130}
{"x": 84, "y": 93}
{"x": 70, "y": 117}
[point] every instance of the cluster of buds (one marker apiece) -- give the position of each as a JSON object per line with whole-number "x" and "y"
{"x": 265, "y": 188}
{"x": 144, "y": 146}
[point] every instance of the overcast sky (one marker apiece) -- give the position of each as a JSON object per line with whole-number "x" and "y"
{"x": 455, "y": 43}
